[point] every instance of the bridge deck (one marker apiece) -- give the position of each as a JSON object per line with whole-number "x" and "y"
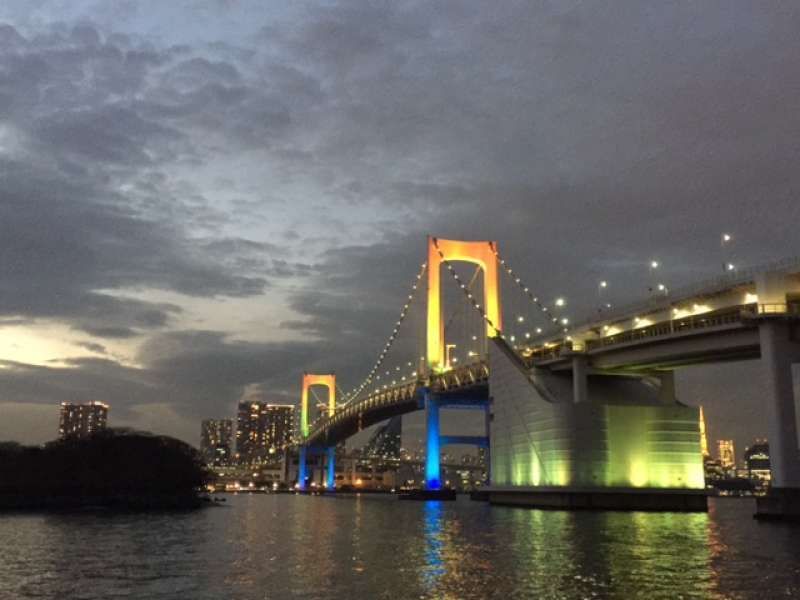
{"x": 730, "y": 333}
{"x": 397, "y": 400}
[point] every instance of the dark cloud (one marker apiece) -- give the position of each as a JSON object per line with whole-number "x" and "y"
{"x": 586, "y": 138}
{"x": 93, "y": 347}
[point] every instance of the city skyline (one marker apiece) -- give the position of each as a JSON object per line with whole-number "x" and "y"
{"x": 182, "y": 281}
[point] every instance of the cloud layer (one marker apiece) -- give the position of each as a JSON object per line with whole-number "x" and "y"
{"x": 213, "y": 202}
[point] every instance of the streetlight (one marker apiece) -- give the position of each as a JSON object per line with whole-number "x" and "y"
{"x": 654, "y": 264}
{"x": 601, "y": 288}
{"x": 447, "y": 349}
{"x": 725, "y": 240}
{"x": 560, "y": 302}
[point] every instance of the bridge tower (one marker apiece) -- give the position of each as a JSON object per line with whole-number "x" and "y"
{"x": 484, "y": 255}
{"x": 327, "y": 380}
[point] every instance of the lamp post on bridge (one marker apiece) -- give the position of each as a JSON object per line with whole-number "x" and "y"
{"x": 447, "y": 349}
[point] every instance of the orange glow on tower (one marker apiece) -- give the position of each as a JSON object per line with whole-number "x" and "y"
{"x": 481, "y": 254}
{"x": 327, "y": 380}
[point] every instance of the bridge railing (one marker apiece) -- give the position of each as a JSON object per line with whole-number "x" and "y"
{"x": 778, "y": 308}
{"x": 468, "y": 374}
{"x": 728, "y": 316}
{"x": 676, "y": 295}
{"x": 385, "y": 397}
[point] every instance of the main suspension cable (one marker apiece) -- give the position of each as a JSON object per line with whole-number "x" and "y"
{"x": 382, "y": 356}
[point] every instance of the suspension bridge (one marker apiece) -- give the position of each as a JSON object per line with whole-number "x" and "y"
{"x": 578, "y": 414}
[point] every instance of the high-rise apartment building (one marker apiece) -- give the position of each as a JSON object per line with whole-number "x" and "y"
{"x": 82, "y": 420}
{"x": 216, "y": 441}
{"x": 262, "y": 430}
{"x": 756, "y": 457}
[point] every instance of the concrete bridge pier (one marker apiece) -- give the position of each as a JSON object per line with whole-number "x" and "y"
{"x": 580, "y": 378}
{"x": 301, "y": 469}
{"x": 488, "y": 449}
{"x": 433, "y": 480}
{"x": 330, "y": 479}
{"x": 434, "y": 440}
{"x": 779, "y": 350}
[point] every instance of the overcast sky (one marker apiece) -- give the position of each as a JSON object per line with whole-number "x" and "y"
{"x": 200, "y": 200}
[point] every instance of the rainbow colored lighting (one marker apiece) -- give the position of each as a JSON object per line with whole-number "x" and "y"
{"x": 482, "y": 254}
{"x": 327, "y": 380}
{"x": 330, "y": 480}
{"x": 432, "y": 474}
{"x": 301, "y": 469}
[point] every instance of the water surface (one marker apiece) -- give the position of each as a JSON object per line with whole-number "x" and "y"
{"x": 278, "y": 546}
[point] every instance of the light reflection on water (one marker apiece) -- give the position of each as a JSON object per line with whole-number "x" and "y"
{"x": 264, "y": 547}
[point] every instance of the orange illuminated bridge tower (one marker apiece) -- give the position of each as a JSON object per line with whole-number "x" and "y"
{"x": 482, "y": 254}
{"x": 327, "y": 380}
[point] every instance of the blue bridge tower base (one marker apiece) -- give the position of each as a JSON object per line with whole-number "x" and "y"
{"x": 434, "y": 490}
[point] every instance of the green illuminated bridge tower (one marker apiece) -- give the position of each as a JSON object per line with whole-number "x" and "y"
{"x": 576, "y": 415}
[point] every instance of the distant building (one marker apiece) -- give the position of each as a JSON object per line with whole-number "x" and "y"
{"x": 756, "y": 457}
{"x": 82, "y": 420}
{"x": 703, "y": 434}
{"x": 263, "y": 430}
{"x": 216, "y": 441}
{"x": 713, "y": 470}
{"x": 726, "y": 454}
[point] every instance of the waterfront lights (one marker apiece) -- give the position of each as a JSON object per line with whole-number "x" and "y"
{"x": 730, "y": 267}
{"x": 560, "y": 302}
{"x": 603, "y": 284}
{"x": 726, "y": 237}
{"x": 654, "y": 264}
{"x": 565, "y": 321}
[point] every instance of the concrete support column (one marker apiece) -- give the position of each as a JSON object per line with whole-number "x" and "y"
{"x": 432, "y": 466}
{"x": 666, "y": 393}
{"x": 330, "y": 481}
{"x": 777, "y": 351}
{"x": 301, "y": 468}
{"x": 487, "y": 413}
{"x": 580, "y": 391}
